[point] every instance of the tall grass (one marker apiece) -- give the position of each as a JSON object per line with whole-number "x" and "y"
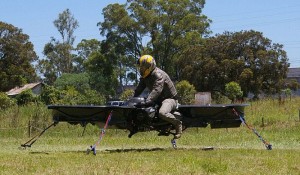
{"x": 270, "y": 112}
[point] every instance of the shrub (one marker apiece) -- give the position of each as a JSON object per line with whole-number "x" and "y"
{"x": 93, "y": 97}
{"x": 71, "y": 96}
{"x": 219, "y": 98}
{"x": 233, "y": 91}
{"x": 127, "y": 94}
{"x": 25, "y": 97}
{"x": 5, "y": 101}
{"x": 186, "y": 92}
{"x": 79, "y": 81}
{"x": 50, "y": 95}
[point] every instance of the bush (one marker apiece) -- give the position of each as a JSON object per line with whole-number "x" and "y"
{"x": 5, "y": 101}
{"x": 93, "y": 97}
{"x": 233, "y": 91}
{"x": 127, "y": 94}
{"x": 219, "y": 98}
{"x": 71, "y": 96}
{"x": 50, "y": 95}
{"x": 25, "y": 97}
{"x": 186, "y": 92}
{"x": 79, "y": 81}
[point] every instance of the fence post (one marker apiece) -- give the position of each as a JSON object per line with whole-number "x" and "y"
{"x": 29, "y": 129}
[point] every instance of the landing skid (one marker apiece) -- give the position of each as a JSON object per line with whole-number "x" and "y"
{"x": 173, "y": 142}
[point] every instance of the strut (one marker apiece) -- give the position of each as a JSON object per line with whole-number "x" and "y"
{"x": 267, "y": 144}
{"x": 34, "y": 139}
{"x": 102, "y": 133}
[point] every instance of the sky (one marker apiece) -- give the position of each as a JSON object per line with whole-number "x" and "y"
{"x": 278, "y": 20}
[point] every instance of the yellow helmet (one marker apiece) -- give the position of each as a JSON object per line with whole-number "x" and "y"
{"x": 146, "y": 64}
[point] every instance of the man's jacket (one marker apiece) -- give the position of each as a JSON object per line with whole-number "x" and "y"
{"x": 160, "y": 85}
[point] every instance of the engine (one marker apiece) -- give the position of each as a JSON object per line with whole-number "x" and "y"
{"x": 142, "y": 119}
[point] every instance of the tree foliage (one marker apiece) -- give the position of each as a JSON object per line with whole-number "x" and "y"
{"x": 66, "y": 25}
{"x": 175, "y": 32}
{"x": 84, "y": 49}
{"x": 172, "y": 25}
{"x": 123, "y": 40}
{"x": 58, "y": 54}
{"x": 93, "y": 97}
{"x": 70, "y": 95}
{"x": 57, "y": 60}
{"x": 246, "y": 57}
{"x": 50, "y": 95}
{"x": 79, "y": 81}
{"x": 101, "y": 72}
{"x": 166, "y": 27}
{"x": 16, "y": 58}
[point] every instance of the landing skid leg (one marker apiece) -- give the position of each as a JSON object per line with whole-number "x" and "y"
{"x": 173, "y": 142}
{"x": 267, "y": 144}
{"x": 102, "y": 133}
{"x": 34, "y": 139}
{"x": 92, "y": 148}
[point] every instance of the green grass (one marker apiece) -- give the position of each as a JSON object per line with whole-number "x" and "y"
{"x": 165, "y": 161}
{"x": 236, "y": 151}
{"x": 62, "y": 149}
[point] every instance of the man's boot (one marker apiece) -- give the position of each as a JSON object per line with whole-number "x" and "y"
{"x": 178, "y": 129}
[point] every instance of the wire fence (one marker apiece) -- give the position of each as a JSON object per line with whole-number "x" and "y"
{"x": 30, "y": 128}
{"x": 14, "y": 128}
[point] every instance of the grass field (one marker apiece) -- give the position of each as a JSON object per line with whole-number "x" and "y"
{"x": 62, "y": 149}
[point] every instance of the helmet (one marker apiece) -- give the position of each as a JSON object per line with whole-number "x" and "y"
{"x": 146, "y": 64}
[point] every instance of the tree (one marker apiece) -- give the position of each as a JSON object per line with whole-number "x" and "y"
{"x": 84, "y": 49}
{"x": 172, "y": 25}
{"x": 101, "y": 72}
{"x": 123, "y": 39}
{"x": 66, "y": 25}
{"x": 79, "y": 81}
{"x": 51, "y": 95}
{"x": 16, "y": 58}
{"x": 59, "y": 58}
{"x": 246, "y": 57}
{"x": 93, "y": 97}
{"x": 166, "y": 27}
{"x": 116, "y": 48}
{"x": 54, "y": 65}
{"x": 88, "y": 97}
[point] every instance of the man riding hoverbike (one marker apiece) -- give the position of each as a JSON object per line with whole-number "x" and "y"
{"x": 162, "y": 91}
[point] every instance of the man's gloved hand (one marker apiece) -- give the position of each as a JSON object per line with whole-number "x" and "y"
{"x": 143, "y": 104}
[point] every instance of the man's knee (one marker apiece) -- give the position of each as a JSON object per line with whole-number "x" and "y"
{"x": 162, "y": 114}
